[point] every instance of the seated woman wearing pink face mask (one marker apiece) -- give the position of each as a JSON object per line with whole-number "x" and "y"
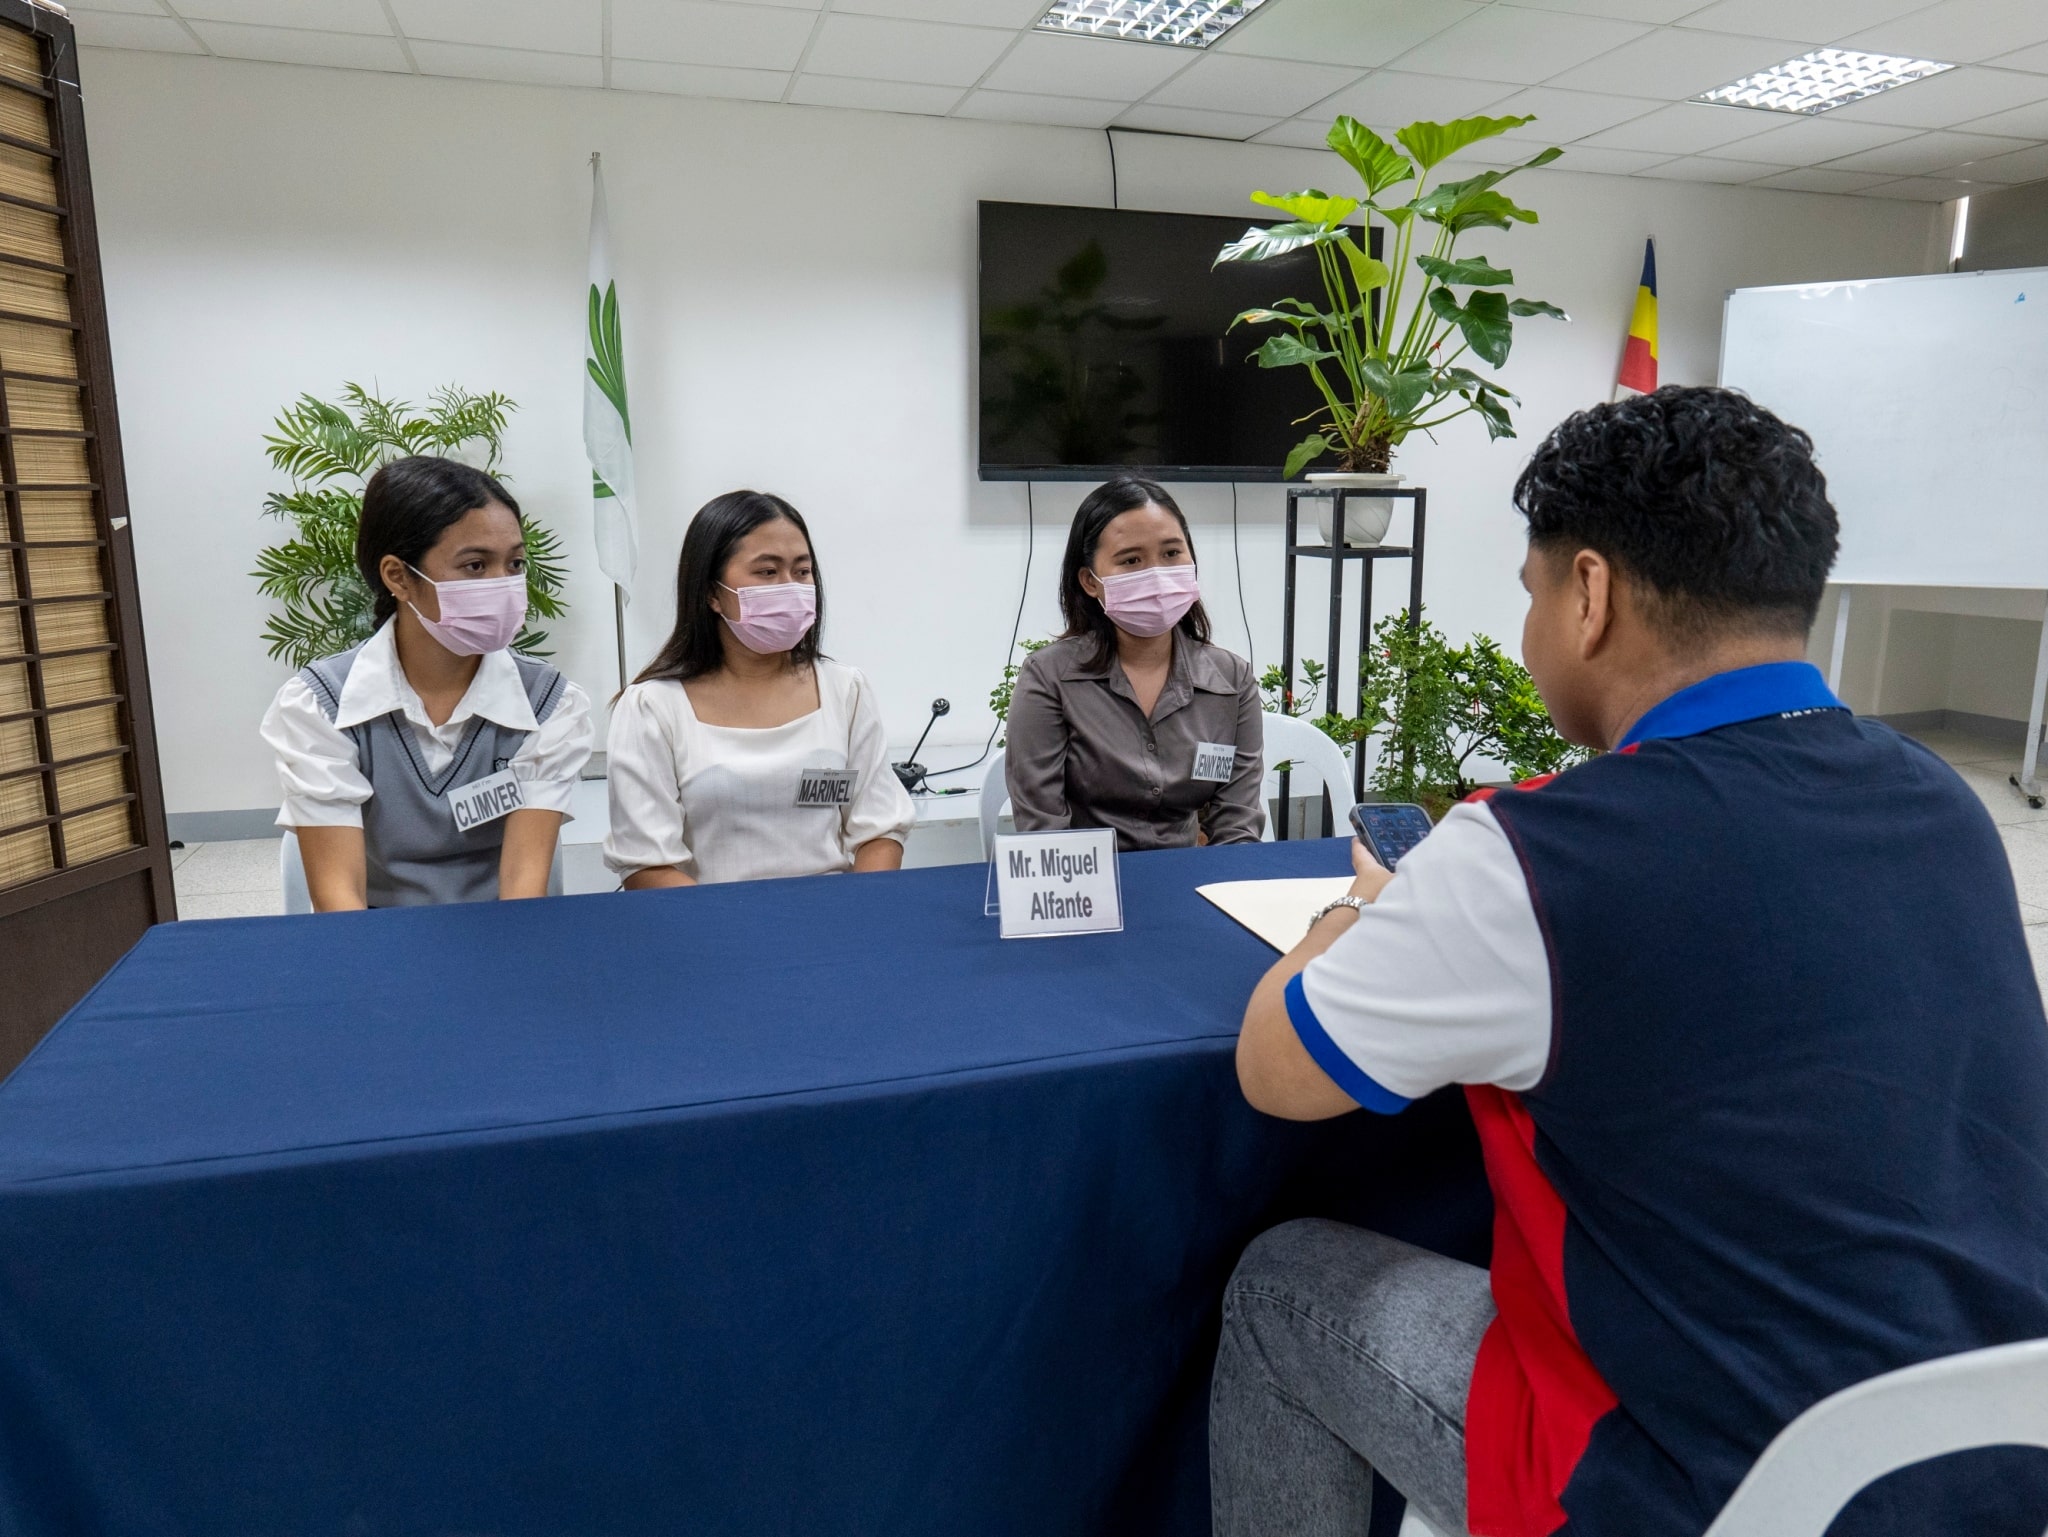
{"x": 1131, "y": 720}
{"x": 430, "y": 764}
{"x": 741, "y": 752}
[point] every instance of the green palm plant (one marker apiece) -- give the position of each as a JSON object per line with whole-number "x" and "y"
{"x": 330, "y": 451}
{"x": 1378, "y": 352}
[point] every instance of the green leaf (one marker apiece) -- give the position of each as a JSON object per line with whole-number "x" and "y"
{"x": 1462, "y": 205}
{"x": 1464, "y": 381}
{"x": 1310, "y": 206}
{"x": 1433, "y": 143}
{"x": 1498, "y": 423}
{"x": 1287, "y": 351}
{"x": 1368, "y": 272}
{"x": 1475, "y": 271}
{"x": 1271, "y": 317}
{"x": 1376, "y": 161}
{"x": 1308, "y": 448}
{"x": 1402, "y": 391}
{"x": 1264, "y": 242}
{"x": 1483, "y": 318}
{"x": 1535, "y": 307}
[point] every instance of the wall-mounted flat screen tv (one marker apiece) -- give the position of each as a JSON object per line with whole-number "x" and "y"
{"x": 1106, "y": 346}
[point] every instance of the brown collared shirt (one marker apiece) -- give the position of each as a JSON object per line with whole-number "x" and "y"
{"x": 1082, "y": 754}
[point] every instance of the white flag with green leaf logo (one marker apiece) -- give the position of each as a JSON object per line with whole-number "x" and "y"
{"x": 607, "y": 426}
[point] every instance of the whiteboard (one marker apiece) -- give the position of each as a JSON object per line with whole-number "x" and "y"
{"x": 1927, "y": 401}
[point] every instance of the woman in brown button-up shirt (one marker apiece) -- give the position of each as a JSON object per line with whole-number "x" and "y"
{"x": 1157, "y": 735}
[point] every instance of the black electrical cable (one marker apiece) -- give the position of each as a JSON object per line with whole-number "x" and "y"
{"x": 1016, "y": 628}
{"x": 1237, "y": 562}
{"x": 1115, "y": 201}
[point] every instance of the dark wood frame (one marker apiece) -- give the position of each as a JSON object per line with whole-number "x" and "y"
{"x": 73, "y": 942}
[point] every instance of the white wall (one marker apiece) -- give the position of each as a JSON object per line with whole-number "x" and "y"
{"x": 798, "y": 287}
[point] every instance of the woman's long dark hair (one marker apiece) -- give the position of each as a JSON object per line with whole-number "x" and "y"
{"x": 695, "y": 646}
{"x": 1083, "y": 614}
{"x": 408, "y": 505}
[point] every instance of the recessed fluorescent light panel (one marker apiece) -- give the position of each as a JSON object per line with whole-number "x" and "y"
{"x": 1822, "y": 80}
{"x": 1182, "y": 23}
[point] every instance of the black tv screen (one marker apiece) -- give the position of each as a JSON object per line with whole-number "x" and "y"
{"x": 1106, "y": 345}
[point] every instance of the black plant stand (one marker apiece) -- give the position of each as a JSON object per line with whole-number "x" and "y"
{"x": 1338, "y": 552}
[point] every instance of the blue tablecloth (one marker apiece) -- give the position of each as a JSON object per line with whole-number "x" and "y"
{"x": 795, "y": 1207}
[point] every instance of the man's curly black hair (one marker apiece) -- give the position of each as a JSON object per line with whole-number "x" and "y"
{"x": 1699, "y": 494}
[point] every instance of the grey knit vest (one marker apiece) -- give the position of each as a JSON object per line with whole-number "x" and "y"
{"x": 417, "y": 856}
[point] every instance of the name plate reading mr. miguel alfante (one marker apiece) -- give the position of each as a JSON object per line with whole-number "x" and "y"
{"x": 1058, "y": 883}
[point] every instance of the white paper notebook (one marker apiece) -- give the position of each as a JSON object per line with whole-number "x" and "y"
{"x": 1277, "y": 911}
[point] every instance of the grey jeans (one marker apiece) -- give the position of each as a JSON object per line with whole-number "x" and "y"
{"x": 1343, "y": 1351}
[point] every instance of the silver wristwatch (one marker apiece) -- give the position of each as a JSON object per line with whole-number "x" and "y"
{"x": 1356, "y": 904}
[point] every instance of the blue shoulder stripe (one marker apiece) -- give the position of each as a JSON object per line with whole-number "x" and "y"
{"x": 1345, "y": 1073}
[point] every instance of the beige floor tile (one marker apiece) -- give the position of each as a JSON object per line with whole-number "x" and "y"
{"x": 1961, "y": 747}
{"x": 2037, "y": 942}
{"x": 2027, "y": 848}
{"x": 2031, "y": 915}
{"x": 2003, "y": 800}
{"x": 231, "y": 904}
{"x": 248, "y": 864}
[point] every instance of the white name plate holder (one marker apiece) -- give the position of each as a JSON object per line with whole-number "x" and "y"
{"x": 1042, "y": 884}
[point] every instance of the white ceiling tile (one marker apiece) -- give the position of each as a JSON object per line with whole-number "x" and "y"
{"x": 1699, "y": 168}
{"x": 286, "y": 45}
{"x": 1606, "y": 162}
{"x": 517, "y": 65}
{"x": 967, "y": 13}
{"x": 1924, "y": 189}
{"x": 1393, "y": 97}
{"x": 364, "y": 16}
{"x": 1018, "y": 107}
{"x": 1673, "y": 63}
{"x": 2019, "y": 123}
{"x": 1800, "y": 21}
{"x": 875, "y": 95}
{"x": 123, "y": 7}
{"x": 1944, "y": 100}
{"x": 1656, "y": 12}
{"x": 1513, "y": 44}
{"x": 2020, "y": 166}
{"x": 1044, "y": 65}
{"x": 548, "y": 26}
{"x": 699, "y": 80}
{"x": 1926, "y": 153}
{"x": 1259, "y": 87}
{"x": 922, "y": 52}
{"x": 1357, "y": 32}
{"x": 1821, "y": 180}
{"x": 1298, "y": 133}
{"x": 1201, "y": 125}
{"x": 1686, "y": 128}
{"x": 1959, "y": 31}
{"x": 158, "y": 34}
{"x": 1808, "y": 141}
{"x": 2034, "y": 60}
{"x": 695, "y": 32}
{"x": 1562, "y": 116}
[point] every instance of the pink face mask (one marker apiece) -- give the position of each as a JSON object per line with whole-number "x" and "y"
{"x": 775, "y": 616}
{"x": 476, "y": 616}
{"x": 1152, "y": 601}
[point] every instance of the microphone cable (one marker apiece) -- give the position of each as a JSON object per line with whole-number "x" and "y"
{"x": 1016, "y": 628}
{"x": 1237, "y": 562}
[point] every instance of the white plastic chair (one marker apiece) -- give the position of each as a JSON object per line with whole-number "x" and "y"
{"x": 1292, "y": 740}
{"x": 291, "y": 869}
{"x": 995, "y": 795}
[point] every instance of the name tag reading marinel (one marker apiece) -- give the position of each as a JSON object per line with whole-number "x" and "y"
{"x": 1057, "y": 883}
{"x": 1214, "y": 762}
{"x": 485, "y": 800}
{"x": 830, "y": 787}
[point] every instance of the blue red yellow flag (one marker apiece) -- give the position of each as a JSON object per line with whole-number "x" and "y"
{"x": 1639, "y": 356}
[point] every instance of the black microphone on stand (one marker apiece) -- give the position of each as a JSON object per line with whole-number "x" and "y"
{"x": 912, "y": 773}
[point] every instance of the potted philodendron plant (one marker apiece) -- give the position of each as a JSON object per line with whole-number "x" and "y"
{"x": 1388, "y": 354}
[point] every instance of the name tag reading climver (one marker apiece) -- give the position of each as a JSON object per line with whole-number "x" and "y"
{"x": 830, "y": 787}
{"x": 1057, "y": 883}
{"x": 1214, "y": 762}
{"x": 485, "y": 800}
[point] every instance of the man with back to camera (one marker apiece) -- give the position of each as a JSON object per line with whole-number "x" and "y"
{"x": 1749, "y": 1032}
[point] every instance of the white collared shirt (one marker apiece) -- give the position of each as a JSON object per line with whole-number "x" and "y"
{"x": 322, "y": 785}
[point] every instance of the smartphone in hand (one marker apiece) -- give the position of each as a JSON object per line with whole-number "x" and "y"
{"x": 1390, "y": 829}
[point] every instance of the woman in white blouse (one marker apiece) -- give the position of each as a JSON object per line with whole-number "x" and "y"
{"x": 742, "y": 753}
{"x": 430, "y": 764}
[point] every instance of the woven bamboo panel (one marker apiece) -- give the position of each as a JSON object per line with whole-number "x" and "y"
{"x": 76, "y": 679}
{"x": 18, "y": 746}
{"x": 32, "y": 291}
{"x": 21, "y": 800}
{"x": 7, "y": 584}
{"x": 33, "y": 349}
{"x": 98, "y": 834}
{"x": 88, "y": 784}
{"x": 10, "y": 632}
{"x": 31, "y": 233}
{"x": 25, "y": 856}
{"x": 24, "y": 173}
{"x": 60, "y": 573}
{"x": 67, "y": 626}
{"x": 50, "y": 516}
{"x": 44, "y": 405}
{"x": 14, "y": 695}
{"x": 20, "y": 58}
{"x": 74, "y": 733}
{"x": 50, "y": 461}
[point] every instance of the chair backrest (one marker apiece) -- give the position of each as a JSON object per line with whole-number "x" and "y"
{"x": 1816, "y": 1464}
{"x": 995, "y": 795}
{"x": 1292, "y": 740}
{"x": 291, "y": 867}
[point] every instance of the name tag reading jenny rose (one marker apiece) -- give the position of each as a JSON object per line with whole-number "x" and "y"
{"x": 485, "y": 800}
{"x": 1058, "y": 883}
{"x": 831, "y": 787}
{"x": 1214, "y": 762}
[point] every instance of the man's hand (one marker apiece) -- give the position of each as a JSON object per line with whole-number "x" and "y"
{"x": 1372, "y": 876}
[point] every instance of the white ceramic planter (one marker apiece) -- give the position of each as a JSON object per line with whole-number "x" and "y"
{"x": 1366, "y": 518}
